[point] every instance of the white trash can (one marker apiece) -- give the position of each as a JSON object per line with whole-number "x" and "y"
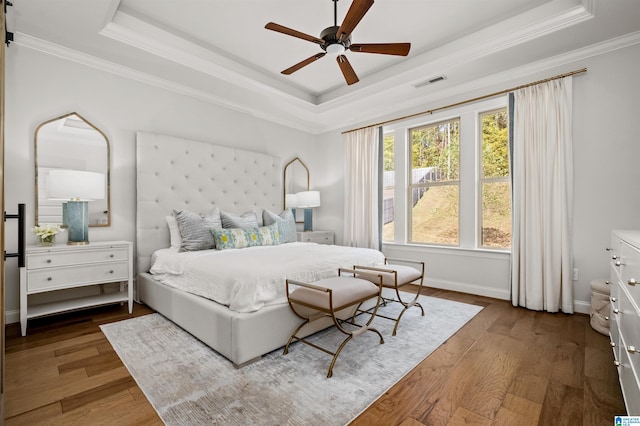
{"x": 600, "y": 305}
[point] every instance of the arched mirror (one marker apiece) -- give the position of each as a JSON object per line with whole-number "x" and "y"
{"x": 295, "y": 179}
{"x": 70, "y": 143}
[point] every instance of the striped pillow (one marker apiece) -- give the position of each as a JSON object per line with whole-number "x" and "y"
{"x": 195, "y": 230}
{"x": 246, "y": 220}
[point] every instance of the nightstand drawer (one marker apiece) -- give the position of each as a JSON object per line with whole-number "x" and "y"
{"x": 74, "y": 257}
{"x": 42, "y": 280}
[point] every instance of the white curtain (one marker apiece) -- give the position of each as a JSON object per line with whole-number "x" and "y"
{"x": 361, "y": 217}
{"x": 542, "y": 173}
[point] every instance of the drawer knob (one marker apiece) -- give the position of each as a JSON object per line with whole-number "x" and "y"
{"x": 613, "y": 344}
{"x": 606, "y": 318}
{"x": 111, "y": 255}
{"x": 631, "y": 349}
{"x": 48, "y": 260}
{"x": 49, "y": 278}
{"x": 608, "y": 249}
{"x": 632, "y": 281}
{"x": 607, "y": 282}
{"x": 111, "y": 271}
{"x": 618, "y": 263}
{"x": 616, "y": 311}
{"x": 613, "y": 299}
{"x": 614, "y": 257}
{"x": 616, "y": 363}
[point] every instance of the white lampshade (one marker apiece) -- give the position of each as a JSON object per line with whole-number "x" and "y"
{"x": 76, "y": 185}
{"x": 308, "y": 199}
{"x": 290, "y": 201}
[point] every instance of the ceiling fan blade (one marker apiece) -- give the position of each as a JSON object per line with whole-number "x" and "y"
{"x": 400, "y": 49}
{"x": 288, "y": 31}
{"x": 304, "y": 63}
{"x": 355, "y": 13}
{"x": 347, "y": 71}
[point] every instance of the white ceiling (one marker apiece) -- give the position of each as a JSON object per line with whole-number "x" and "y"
{"x": 219, "y": 50}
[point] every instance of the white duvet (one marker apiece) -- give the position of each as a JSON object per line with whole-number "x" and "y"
{"x": 250, "y": 278}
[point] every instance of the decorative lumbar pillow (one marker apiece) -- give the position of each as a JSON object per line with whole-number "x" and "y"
{"x": 174, "y": 232}
{"x": 229, "y": 238}
{"x": 286, "y": 224}
{"x": 246, "y": 220}
{"x": 195, "y": 230}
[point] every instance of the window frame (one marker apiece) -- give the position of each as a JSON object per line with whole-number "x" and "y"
{"x": 482, "y": 180}
{"x": 411, "y": 186}
{"x": 469, "y": 223}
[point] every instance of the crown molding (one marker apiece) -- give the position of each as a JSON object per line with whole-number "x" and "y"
{"x": 135, "y": 32}
{"x": 513, "y": 74}
{"x": 318, "y": 125}
{"x": 62, "y": 52}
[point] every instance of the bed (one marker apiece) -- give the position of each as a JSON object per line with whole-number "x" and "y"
{"x": 181, "y": 174}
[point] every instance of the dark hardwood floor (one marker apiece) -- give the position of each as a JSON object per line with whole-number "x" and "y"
{"x": 507, "y": 366}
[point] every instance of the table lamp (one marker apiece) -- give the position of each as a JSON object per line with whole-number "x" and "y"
{"x": 307, "y": 200}
{"x": 76, "y": 188}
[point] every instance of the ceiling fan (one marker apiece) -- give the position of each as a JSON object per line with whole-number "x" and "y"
{"x": 337, "y": 39}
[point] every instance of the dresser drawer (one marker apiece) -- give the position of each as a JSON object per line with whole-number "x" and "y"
{"x": 629, "y": 384}
{"x": 48, "y": 259}
{"x": 41, "y": 280}
{"x": 629, "y": 320}
{"x": 630, "y": 271}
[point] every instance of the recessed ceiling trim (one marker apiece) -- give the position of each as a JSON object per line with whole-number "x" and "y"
{"x": 319, "y": 122}
{"x": 130, "y": 30}
{"x": 62, "y": 52}
{"x": 538, "y": 68}
{"x": 544, "y": 20}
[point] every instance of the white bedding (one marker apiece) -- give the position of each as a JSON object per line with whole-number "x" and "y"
{"x": 250, "y": 278}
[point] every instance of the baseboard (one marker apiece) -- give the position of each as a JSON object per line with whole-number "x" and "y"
{"x": 496, "y": 293}
{"x": 11, "y": 317}
{"x": 579, "y": 306}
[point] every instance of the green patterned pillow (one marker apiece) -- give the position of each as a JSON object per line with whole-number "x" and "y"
{"x": 228, "y": 238}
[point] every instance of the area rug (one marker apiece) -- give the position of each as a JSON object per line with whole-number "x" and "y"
{"x": 190, "y": 384}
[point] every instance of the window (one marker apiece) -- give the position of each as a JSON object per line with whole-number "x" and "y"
{"x": 446, "y": 180}
{"x": 434, "y": 183}
{"x": 495, "y": 187}
{"x": 388, "y": 188}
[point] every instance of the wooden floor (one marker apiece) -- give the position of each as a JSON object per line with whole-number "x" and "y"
{"x": 507, "y": 366}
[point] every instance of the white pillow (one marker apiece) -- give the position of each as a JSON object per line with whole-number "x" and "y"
{"x": 174, "y": 232}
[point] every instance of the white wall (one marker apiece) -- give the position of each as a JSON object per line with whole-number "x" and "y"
{"x": 40, "y": 87}
{"x": 606, "y": 153}
{"x": 607, "y": 174}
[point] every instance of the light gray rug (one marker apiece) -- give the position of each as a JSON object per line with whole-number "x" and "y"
{"x": 189, "y": 384}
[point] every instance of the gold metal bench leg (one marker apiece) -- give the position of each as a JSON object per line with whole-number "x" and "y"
{"x": 293, "y": 336}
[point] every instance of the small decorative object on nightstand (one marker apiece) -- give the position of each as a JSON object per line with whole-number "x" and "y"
{"x": 61, "y": 267}
{"x": 320, "y": 237}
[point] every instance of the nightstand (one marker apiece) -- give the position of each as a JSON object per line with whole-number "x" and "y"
{"x": 61, "y": 267}
{"x": 320, "y": 237}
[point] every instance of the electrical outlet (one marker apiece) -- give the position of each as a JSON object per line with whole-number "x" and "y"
{"x": 575, "y": 274}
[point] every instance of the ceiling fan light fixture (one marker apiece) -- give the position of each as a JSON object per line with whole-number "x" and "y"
{"x": 335, "y": 49}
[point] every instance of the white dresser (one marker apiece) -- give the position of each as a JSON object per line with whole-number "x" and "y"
{"x": 625, "y": 314}
{"x": 60, "y": 267}
{"x": 320, "y": 237}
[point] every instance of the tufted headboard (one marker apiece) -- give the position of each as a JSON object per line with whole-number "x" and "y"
{"x": 174, "y": 173}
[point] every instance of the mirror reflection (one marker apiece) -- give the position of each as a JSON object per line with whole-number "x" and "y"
{"x": 70, "y": 143}
{"x": 296, "y": 179}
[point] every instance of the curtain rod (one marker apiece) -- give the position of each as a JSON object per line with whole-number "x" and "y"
{"x": 468, "y": 101}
